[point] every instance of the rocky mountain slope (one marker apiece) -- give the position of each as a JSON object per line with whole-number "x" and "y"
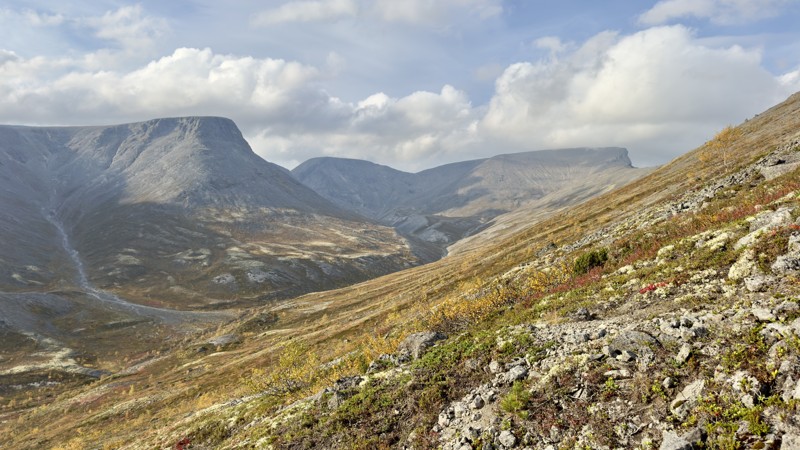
{"x": 661, "y": 315}
{"x": 445, "y": 204}
{"x": 156, "y": 225}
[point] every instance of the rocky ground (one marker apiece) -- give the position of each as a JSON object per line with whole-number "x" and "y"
{"x": 697, "y": 346}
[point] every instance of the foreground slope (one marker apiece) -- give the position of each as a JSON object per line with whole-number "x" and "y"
{"x": 552, "y": 341}
{"x": 445, "y": 204}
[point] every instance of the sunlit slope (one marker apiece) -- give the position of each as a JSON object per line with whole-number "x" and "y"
{"x": 358, "y": 322}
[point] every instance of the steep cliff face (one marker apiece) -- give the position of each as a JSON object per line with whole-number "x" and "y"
{"x": 448, "y": 203}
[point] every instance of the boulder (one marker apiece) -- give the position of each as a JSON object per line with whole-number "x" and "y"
{"x": 794, "y": 243}
{"x": 507, "y": 439}
{"x": 790, "y": 441}
{"x": 636, "y": 343}
{"x": 515, "y": 373}
{"x": 671, "y": 441}
{"x": 683, "y": 354}
{"x": 757, "y": 283}
{"x": 687, "y": 399}
{"x": 786, "y": 264}
{"x": 415, "y": 345}
{"x": 744, "y": 267}
{"x": 772, "y": 219}
{"x": 225, "y": 339}
{"x": 763, "y": 314}
{"x": 583, "y": 314}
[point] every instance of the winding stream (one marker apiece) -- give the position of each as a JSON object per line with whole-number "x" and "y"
{"x": 113, "y": 300}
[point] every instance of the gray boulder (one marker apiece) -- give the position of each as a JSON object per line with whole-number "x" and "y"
{"x": 794, "y": 243}
{"x": 757, "y": 283}
{"x": 671, "y": 441}
{"x": 786, "y": 264}
{"x": 790, "y": 441}
{"x": 635, "y": 343}
{"x": 772, "y": 219}
{"x": 687, "y": 399}
{"x": 507, "y": 439}
{"x": 225, "y": 339}
{"x": 744, "y": 267}
{"x": 415, "y": 345}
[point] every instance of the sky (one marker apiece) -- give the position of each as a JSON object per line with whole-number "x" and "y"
{"x": 407, "y": 83}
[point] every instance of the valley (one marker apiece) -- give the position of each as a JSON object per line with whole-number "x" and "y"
{"x": 521, "y": 324}
{"x": 132, "y": 238}
{"x": 400, "y": 225}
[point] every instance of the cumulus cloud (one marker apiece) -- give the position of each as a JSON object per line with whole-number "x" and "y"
{"x": 791, "y": 79}
{"x": 189, "y": 81}
{"x": 725, "y": 12}
{"x": 7, "y": 55}
{"x": 414, "y": 12}
{"x": 129, "y": 26}
{"x": 659, "y": 92}
{"x": 407, "y": 132}
{"x": 278, "y": 104}
{"x": 552, "y": 43}
{"x": 307, "y": 11}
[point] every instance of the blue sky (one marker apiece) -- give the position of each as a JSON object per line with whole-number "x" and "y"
{"x": 410, "y": 83}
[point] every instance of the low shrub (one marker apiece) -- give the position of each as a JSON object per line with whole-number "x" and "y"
{"x": 588, "y": 261}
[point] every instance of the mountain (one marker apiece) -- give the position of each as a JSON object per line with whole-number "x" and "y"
{"x": 656, "y": 315}
{"x": 162, "y": 222}
{"x": 445, "y": 204}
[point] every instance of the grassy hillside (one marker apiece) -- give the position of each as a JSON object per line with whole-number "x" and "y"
{"x": 655, "y": 251}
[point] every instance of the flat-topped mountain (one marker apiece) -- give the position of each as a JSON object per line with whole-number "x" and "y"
{"x": 447, "y": 203}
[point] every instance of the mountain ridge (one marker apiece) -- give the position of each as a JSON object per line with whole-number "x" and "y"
{"x": 445, "y": 204}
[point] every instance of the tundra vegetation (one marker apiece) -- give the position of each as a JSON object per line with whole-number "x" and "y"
{"x": 663, "y": 312}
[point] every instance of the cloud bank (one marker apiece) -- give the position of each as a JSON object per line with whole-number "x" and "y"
{"x": 413, "y": 12}
{"x": 723, "y": 12}
{"x": 659, "y": 92}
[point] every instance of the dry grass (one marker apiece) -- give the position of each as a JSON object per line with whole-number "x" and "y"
{"x": 363, "y": 320}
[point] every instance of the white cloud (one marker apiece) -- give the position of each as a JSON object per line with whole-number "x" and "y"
{"x": 434, "y": 12}
{"x": 129, "y": 26}
{"x": 414, "y": 12}
{"x": 723, "y": 12}
{"x": 659, "y": 92}
{"x": 791, "y": 79}
{"x": 7, "y": 56}
{"x": 307, "y": 11}
{"x": 43, "y": 19}
{"x": 551, "y": 43}
{"x": 190, "y": 81}
{"x": 276, "y": 103}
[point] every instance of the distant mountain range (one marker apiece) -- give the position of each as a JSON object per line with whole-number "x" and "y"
{"x": 448, "y": 203}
